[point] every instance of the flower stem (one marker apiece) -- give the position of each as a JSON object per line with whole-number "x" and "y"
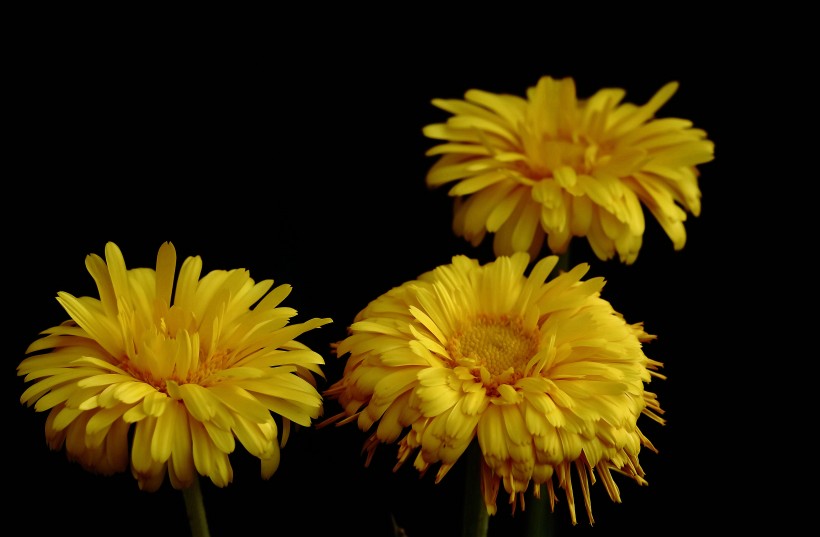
{"x": 476, "y": 518}
{"x": 539, "y": 515}
{"x": 563, "y": 264}
{"x": 195, "y": 506}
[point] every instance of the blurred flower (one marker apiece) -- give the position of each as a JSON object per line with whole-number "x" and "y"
{"x": 552, "y": 165}
{"x": 190, "y": 375}
{"x": 545, "y": 374}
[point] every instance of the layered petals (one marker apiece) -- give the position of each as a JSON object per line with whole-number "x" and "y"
{"x": 187, "y": 373}
{"x": 539, "y": 370}
{"x": 550, "y": 167}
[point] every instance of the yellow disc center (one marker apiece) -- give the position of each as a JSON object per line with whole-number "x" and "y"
{"x": 497, "y": 343}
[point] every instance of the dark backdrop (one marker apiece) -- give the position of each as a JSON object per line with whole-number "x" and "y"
{"x": 301, "y": 159}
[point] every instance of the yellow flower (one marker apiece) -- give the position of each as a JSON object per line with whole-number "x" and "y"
{"x": 179, "y": 379}
{"x": 554, "y": 166}
{"x": 545, "y": 374}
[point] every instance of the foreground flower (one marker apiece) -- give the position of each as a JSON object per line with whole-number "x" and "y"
{"x": 545, "y": 374}
{"x": 190, "y": 375}
{"x": 554, "y": 166}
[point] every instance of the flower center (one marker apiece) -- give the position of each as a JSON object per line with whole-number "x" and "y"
{"x": 497, "y": 343}
{"x": 156, "y": 377}
{"x": 164, "y": 352}
{"x": 544, "y": 156}
{"x": 216, "y": 363}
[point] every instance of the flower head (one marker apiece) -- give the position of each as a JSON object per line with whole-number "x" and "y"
{"x": 545, "y": 374}
{"x": 551, "y": 165}
{"x": 179, "y": 371}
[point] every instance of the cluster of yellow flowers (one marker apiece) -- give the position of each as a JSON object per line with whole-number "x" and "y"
{"x": 165, "y": 372}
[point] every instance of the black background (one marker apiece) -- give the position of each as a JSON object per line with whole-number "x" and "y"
{"x": 299, "y": 156}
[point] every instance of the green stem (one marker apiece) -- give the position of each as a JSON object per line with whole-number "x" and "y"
{"x": 195, "y": 506}
{"x": 563, "y": 264}
{"x": 539, "y": 514}
{"x": 476, "y": 518}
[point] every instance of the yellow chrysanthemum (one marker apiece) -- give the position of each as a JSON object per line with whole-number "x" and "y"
{"x": 180, "y": 380}
{"x": 545, "y": 374}
{"x": 554, "y": 166}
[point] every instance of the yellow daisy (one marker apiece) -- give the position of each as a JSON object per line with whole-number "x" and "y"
{"x": 556, "y": 167}
{"x": 179, "y": 371}
{"x": 545, "y": 374}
